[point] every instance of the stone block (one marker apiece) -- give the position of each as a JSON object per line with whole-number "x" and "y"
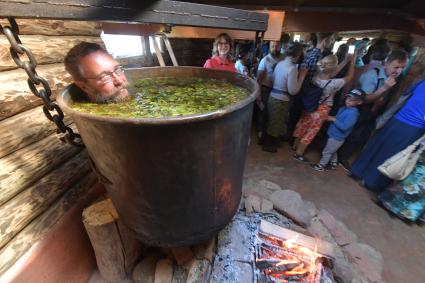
{"x": 199, "y": 271}
{"x": 318, "y": 229}
{"x": 342, "y": 269}
{"x": 366, "y": 260}
{"x": 291, "y": 204}
{"x": 266, "y": 205}
{"x": 262, "y": 188}
{"x": 342, "y": 235}
{"x": 267, "y": 185}
{"x": 144, "y": 271}
{"x": 96, "y": 278}
{"x": 252, "y": 203}
{"x": 179, "y": 274}
{"x": 206, "y": 250}
{"x": 182, "y": 255}
{"x": 164, "y": 271}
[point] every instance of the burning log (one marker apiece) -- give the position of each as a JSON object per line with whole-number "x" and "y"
{"x": 287, "y": 259}
{"x": 276, "y": 265}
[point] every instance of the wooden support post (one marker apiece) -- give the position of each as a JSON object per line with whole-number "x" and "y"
{"x": 115, "y": 247}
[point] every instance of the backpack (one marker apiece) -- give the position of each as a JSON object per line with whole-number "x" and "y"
{"x": 311, "y": 96}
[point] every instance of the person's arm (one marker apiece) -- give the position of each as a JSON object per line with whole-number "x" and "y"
{"x": 295, "y": 80}
{"x": 345, "y": 124}
{"x": 350, "y": 73}
{"x": 261, "y": 72}
{"x": 341, "y": 66}
{"x": 380, "y": 92}
{"x": 368, "y": 82}
{"x": 208, "y": 64}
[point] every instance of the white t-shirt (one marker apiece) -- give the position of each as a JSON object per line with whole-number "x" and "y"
{"x": 330, "y": 90}
{"x": 285, "y": 80}
{"x": 241, "y": 68}
{"x": 267, "y": 64}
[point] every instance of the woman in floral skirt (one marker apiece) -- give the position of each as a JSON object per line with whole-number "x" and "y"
{"x": 406, "y": 198}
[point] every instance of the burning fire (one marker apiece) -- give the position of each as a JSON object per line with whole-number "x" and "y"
{"x": 285, "y": 260}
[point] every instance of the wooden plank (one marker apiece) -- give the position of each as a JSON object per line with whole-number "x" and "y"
{"x": 26, "y": 166}
{"x": 33, "y": 232}
{"x": 56, "y": 27}
{"x": 15, "y": 95}
{"x": 26, "y": 128}
{"x": 22, "y": 209}
{"x": 323, "y": 247}
{"x": 159, "y": 12}
{"x": 46, "y": 49}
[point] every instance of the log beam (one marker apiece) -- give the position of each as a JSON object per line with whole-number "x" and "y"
{"x": 42, "y": 224}
{"x": 56, "y": 27}
{"x": 24, "y": 167}
{"x": 26, "y": 128}
{"x": 22, "y": 209}
{"x": 46, "y": 49}
{"x": 156, "y": 12}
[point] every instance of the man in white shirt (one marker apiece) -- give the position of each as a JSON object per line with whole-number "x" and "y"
{"x": 265, "y": 80}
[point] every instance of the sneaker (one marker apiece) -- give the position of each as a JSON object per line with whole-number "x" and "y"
{"x": 300, "y": 158}
{"x": 318, "y": 167}
{"x": 333, "y": 165}
{"x": 346, "y": 165}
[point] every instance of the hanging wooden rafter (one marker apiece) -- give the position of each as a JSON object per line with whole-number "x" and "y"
{"x": 130, "y": 11}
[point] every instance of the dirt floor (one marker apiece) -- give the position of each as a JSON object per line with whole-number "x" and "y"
{"x": 402, "y": 245}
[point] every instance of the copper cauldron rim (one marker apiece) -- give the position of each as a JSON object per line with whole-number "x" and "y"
{"x": 167, "y": 120}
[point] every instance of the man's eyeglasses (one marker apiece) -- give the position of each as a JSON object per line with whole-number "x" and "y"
{"x": 107, "y": 77}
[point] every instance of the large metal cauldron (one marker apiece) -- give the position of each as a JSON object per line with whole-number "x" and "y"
{"x": 174, "y": 181}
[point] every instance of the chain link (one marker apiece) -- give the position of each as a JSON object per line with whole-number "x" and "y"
{"x": 52, "y": 111}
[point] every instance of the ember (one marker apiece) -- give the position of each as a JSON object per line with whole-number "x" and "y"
{"x": 286, "y": 261}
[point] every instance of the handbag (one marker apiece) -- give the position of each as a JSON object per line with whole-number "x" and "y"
{"x": 312, "y": 96}
{"x": 400, "y": 165}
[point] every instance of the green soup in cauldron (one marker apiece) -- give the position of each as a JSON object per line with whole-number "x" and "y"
{"x": 167, "y": 97}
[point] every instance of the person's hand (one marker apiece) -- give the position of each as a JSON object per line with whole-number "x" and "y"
{"x": 303, "y": 72}
{"x": 332, "y": 118}
{"x": 389, "y": 83}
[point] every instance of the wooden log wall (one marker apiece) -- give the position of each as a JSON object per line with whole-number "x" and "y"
{"x": 40, "y": 177}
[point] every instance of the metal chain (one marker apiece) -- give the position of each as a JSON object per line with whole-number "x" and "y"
{"x": 50, "y": 108}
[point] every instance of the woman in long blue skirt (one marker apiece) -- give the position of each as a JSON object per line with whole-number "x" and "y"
{"x": 403, "y": 129}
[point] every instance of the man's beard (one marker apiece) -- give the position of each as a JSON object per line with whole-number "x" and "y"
{"x": 275, "y": 53}
{"x": 114, "y": 96}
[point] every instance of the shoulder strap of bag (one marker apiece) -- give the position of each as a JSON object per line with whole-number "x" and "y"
{"x": 326, "y": 97}
{"x": 379, "y": 79}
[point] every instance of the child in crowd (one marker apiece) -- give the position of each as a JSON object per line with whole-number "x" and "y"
{"x": 341, "y": 127}
{"x": 242, "y": 63}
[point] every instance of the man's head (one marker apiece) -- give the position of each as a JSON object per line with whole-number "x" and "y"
{"x": 96, "y": 73}
{"x": 354, "y": 98}
{"x": 395, "y": 63}
{"x": 325, "y": 40}
{"x": 274, "y": 47}
{"x": 380, "y": 51}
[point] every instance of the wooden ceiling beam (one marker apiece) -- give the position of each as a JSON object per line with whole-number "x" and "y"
{"x": 131, "y": 11}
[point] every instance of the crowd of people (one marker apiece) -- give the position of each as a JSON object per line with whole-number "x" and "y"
{"x": 303, "y": 91}
{"x": 306, "y": 89}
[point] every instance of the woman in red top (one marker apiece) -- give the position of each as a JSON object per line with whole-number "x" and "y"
{"x": 223, "y": 44}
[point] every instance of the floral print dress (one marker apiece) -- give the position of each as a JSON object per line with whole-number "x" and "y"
{"x": 406, "y": 198}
